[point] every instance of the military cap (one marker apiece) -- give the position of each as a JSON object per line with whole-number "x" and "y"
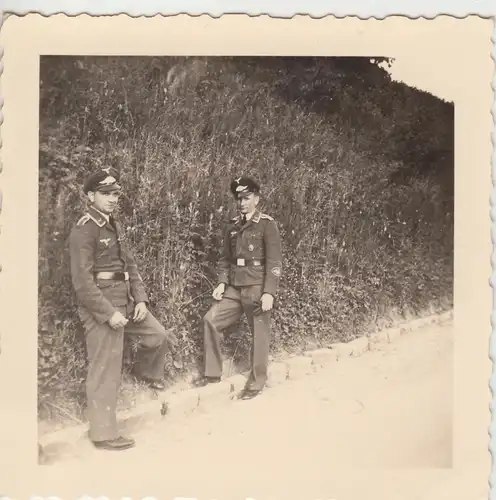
{"x": 106, "y": 179}
{"x": 244, "y": 185}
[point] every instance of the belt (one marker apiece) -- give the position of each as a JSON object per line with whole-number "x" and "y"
{"x": 247, "y": 262}
{"x": 118, "y": 276}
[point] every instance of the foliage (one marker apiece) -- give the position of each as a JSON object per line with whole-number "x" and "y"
{"x": 356, "y": 169}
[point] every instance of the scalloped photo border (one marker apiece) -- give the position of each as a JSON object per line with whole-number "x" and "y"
{"x": 362, "y": 9}
{"x": 314, "y": 9}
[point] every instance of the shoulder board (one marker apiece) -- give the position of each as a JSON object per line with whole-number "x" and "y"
{"x": 265, "y": 216}
{"x": 83, "y": 220}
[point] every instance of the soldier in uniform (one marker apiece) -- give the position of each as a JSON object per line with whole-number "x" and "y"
{"x": 112, "y": 301}
{"x": 249, "y": 274}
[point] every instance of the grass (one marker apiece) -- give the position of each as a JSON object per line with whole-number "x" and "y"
{"x": 356, "y": 169}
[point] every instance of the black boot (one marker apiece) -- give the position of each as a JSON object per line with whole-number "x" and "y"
{"x": 117, "y": 444}
{"x": 203, "y": 381}
{"x": 158, "y": 385}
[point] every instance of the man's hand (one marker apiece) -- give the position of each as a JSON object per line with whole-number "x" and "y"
{"x": 267, "y": 302}
{"x": 219, "y": 291}
{"x": 117, "y": 321}
{"x": 140, "y": 312}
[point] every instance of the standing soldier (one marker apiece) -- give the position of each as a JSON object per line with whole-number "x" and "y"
{"x": 112, "y": 301}
{"x": 250, "y": 269}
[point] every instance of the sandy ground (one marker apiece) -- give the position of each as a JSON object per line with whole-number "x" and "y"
{"x": 391, "y": 408}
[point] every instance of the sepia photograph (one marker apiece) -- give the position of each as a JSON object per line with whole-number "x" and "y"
{"x": 213, "y": 226}
{"x": 255, "y": 270}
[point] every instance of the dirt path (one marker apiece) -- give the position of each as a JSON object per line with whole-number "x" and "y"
{"x": 391, "y": 408}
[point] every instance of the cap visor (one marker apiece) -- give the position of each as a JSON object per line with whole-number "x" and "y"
{"x": 243, "y": 194}
{"x": 112, "y": 187}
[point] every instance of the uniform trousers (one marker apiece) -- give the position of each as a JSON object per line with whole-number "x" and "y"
{"x": 105, "y": 348}
{"x": 227, "y": 312}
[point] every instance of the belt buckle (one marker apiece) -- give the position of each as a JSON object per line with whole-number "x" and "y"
{"x": 126, "y": 276}
{"x": 240, "y": 262}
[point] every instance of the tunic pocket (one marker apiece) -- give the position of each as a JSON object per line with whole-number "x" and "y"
{"x": 106, "y": 249}
{"x": 256, "y": 246}
{"x": 116, "y": 292}
{"x": 103, "y": 256}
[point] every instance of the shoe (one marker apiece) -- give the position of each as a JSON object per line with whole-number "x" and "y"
{"x": 158, "y": 385}
{"x": 203, "y": 381}
{"x": 248, "y": 393}
{"x": 117, "y": 444}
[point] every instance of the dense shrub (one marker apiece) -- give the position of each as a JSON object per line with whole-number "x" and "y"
{"x": 356, "y": 169}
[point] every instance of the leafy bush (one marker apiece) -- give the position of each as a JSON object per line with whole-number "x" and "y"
{"x": 356, "y": 169}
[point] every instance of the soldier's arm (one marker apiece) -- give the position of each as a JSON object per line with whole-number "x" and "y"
{"x": 224, "y": 262}
{"x": 138, "y": 290}
{"x": 82, "y": 243}
{"x": 273, "y": 258}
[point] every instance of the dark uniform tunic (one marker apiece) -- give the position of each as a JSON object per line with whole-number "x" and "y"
{"x": 250, "y": 266}
{"x": 257, "y": 240}
{"x": 97, "y": 246}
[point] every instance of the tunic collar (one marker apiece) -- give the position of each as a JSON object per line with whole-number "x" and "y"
{"x": 99, "y": 214}
{"x": 99, "y": 218}
{"x": 254, "y": 218}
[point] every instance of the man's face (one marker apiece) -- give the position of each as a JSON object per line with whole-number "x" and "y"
{"x": 247, "y": 203}
{"x": 105, "y": 201}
